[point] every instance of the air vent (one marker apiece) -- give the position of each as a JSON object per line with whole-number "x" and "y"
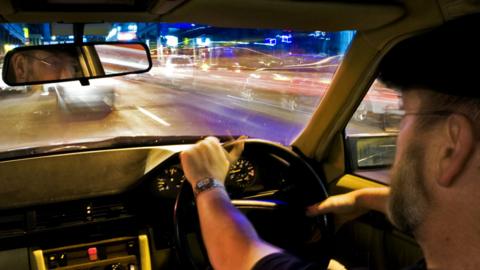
{"x": 107, "y": 211}
{"x": 11, "y": 225}
{"x": 80, "y": 213}
{"x": 57, "y": 216}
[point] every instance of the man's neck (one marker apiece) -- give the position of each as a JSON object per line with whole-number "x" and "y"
{"x": 452, "y": 245}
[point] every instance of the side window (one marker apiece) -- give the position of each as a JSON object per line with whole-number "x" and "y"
{"x": 371, "y": 132}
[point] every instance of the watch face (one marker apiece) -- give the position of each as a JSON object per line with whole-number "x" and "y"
{"x": 202, "y": 184}
{"x": 206, "y": 184}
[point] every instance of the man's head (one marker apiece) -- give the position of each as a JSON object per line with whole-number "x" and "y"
{"x": 42, "y": 65}
{"x": 437, "y": 152}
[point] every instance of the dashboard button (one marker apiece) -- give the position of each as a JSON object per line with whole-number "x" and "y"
{"x": 52, "y": 261}
{"x": 115, "y": 266}
{"x": 62, "y": 259}
{"x": 92, "y": 254}
{"x": 131, "y": 248}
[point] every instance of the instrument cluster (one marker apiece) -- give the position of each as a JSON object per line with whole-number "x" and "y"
{"x": 241, "y": 177}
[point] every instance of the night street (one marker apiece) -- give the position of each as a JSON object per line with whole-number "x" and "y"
{"x": 143, "y": 105}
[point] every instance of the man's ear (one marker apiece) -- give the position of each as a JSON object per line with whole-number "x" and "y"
{"x": 458, "y": 140}
{"x": 19, "y": 64}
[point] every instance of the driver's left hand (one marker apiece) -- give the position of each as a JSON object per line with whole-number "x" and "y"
{"x": 208, "y": 158}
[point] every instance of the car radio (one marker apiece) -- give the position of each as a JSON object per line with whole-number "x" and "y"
{"x": 124, "y": 253}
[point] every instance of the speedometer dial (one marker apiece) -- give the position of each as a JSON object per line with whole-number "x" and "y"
{"x": 168, "y": 181}
{"x": 242, "y": 174}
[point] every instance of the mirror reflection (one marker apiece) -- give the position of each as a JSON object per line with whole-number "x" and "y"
{"x": 122, "y": 58}
{"x": 66, "y": 62}
{"x": 43, "y": 65}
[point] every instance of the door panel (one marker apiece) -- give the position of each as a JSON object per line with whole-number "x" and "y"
{"x": 371, "y": 241}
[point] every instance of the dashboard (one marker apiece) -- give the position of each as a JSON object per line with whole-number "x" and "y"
{"x": 68, "y": 204}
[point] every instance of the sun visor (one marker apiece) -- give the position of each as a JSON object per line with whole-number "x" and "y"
{"x": 455, "y": 9}
{"x": 288, "y": 14}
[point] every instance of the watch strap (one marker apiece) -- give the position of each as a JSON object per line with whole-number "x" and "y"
{"x": 206, "y": 184}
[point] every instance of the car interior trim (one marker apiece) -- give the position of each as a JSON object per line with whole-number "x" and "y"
{"x": 165, "y": 6}
{"x": 333, "y": 15}
{"x": 39, "y": 259}
{"x": 96, "y": 243}
{"x": 255, "y": 203}
{"x": 350, "y": 182}
{"x": 144, "y": 249}
{"x": 113, "y": 248}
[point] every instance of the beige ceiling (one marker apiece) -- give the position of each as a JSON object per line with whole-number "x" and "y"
{"x": 283, "y": 14}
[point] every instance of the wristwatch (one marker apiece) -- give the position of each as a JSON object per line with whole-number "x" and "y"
{"x": 206, "y": 184}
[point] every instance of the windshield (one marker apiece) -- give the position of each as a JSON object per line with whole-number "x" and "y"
{"x": 204, "y": 81}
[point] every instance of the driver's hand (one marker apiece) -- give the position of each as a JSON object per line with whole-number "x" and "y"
{"x": 208, "y": 158}
{"x": 343, "y": 206}
{"x": 349, "y": 206}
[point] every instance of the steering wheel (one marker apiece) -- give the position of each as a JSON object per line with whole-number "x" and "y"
{"x": 279, "y": 219}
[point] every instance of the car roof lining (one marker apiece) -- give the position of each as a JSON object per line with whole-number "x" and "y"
{"x": 83, "y": 5}
{"x": 299, "y": 15}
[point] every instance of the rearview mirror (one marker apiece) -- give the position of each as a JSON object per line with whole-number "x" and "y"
{"x": 68, "y": 62}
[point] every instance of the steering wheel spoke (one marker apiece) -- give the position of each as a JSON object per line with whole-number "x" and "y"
{"x": 260, "y": 204}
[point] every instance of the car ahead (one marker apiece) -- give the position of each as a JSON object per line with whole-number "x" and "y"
{"x": 9, "y": 91}
{"x": 108, "y": 192}
{"x": 175, "y": 70}
{"x": 75, "y": 99}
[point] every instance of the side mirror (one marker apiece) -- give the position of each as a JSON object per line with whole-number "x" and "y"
{"x": 69, "y": 62}
{"x": 371, "y": 150}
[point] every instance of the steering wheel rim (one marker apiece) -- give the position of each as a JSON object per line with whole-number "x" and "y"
{"x": 186, "y": 215}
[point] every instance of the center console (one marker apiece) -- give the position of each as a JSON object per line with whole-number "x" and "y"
{"x": 124, "y": 253}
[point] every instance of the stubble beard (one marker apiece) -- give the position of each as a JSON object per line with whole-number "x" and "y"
{"x": 408, "y": 197}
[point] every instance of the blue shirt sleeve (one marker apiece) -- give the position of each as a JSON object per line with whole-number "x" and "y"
{"x": 284, "y": 261}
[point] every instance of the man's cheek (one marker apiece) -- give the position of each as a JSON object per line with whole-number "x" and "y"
{"x": 36, "y": 72}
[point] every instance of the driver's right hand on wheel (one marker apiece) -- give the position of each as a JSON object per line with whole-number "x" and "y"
{"x": 349, "y": 206}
